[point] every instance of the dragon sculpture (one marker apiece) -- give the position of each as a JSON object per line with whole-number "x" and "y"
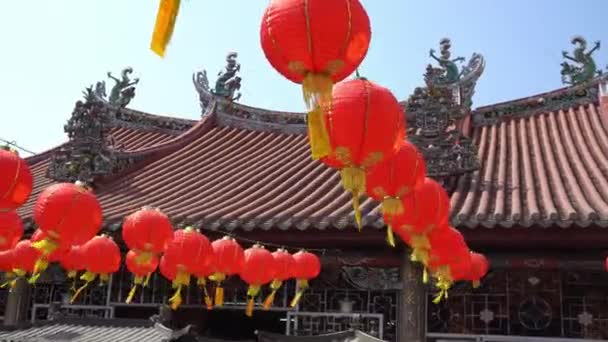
{"x": 123, "y": 90}
{"x": 228, "y": 83}
{"x": 585, "y": 68}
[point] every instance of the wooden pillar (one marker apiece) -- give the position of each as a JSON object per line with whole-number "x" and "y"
{"x": 411, "y": 323}
{"x": 17, "y": 303}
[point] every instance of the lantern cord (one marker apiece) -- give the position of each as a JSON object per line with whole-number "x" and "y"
{"x": 14, "y": 144}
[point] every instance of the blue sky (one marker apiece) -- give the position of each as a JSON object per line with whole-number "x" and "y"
{"x": 51, "y": 50}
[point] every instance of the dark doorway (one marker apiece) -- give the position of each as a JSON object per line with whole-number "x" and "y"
{"x": 235, "y": 325}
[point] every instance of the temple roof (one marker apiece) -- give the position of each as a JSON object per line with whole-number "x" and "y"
{"x": 544, "y": 162}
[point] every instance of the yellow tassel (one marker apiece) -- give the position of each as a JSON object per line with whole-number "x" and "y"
{"x": 353, "y": 180}
{"x": 104, "y": 278}
{"x": 72, "y": 274}
{"x": 249, "y": 309}
{"x": 252, "y": 292}
{"x": 274, "y": 286}
{"x": 421, "y": 256}
{"x": 176, "y": 299}
{"x": 131, "y": 294}
{"x": 302, "y": 286}
{"x": 476, "y": 283}
{"x": 147, "y": 280}
{"x": 165, "y": 23}
{"x": 45, "y": 246}
{"x": 443, "y": 285}
{"x": 317, "y": 134}
{"x": 425, "y": 276}
{"x": 203, "y": 284}
{"x": 390, "y": 237}
{"x": 41, "y": 265}
{"x": 420, "y": 241}
{"x": 88, "y": 277}
{"x": 219, "y": 295}
{"x": 392, "y": 206}
{"x": 316, "y": 88}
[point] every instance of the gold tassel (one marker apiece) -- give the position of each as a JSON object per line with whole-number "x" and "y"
{"x": 137, "y": 281}
{"x": 443, "y": 285}
{"x": 45, "y": 246}
{"x": 476, "y": 283}
{"x": 147, "y": 280}
{"x": 41, "y": 265}
{"x": 88, "y": 277}
{"x": 219, "y": 290}
{"x": 353, "y": 180}
{"x": 249, "y": 309}
{"x": 203, "y": 284}
{"x": 317, "y": 134}
{"x": 163, "y": 28}
{"x": 392, "y": 206}
{"x": 274, "y": 286}
{"x": 252, "y": 292}
{"x": 181, "y": 279}
{"x": 302, "y": 286}
{"x": 390, "y": 237}
{"x": 316, "y": 88}
{"x": 425, "y": 276}
{"x": 176, "y": 299}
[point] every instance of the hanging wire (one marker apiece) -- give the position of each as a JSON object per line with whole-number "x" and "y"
{"x": 14, "y": 144}
{"x": 322, "y": 251}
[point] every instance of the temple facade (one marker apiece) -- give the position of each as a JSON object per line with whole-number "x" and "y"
{"x": 528, "y": 181}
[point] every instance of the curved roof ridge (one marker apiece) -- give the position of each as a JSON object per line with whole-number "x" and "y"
{"x": 550, "y": 101}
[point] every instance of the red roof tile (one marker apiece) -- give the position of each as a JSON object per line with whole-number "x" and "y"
{"x": 242, "y": 167}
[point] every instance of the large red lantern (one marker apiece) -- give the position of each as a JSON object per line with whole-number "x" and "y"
{"x": 284, "y": 264}
{"x": 307, "y": 267}
{"x": 258, "y": 270}
{"x": 11, "y": 229}
{"x": 229, "y": 260}
{"x": 140, "y": 271}
{"x": 102, "y": 258}
{"x": 367, "y": 126}
{"x": 428, "y": 208}
{"x": 16, "y": 181}
{"x": 449, "y": 259}
{"x": 6, "y": 261}
{"x": 66, "y": 212}
{"x": 316, "y": 43}
{"x": 393, "y": 179}
{"x": 185, "y": 252}
{"x": 147, "y": 231}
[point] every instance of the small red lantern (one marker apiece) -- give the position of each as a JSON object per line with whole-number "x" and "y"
{"x": 24, "y": 258}
{"x": 284, "y": 264}
{"x": 16, "y": 181}
{"x": 66, "y": 212}
{"x": 394, "y": 179}
{"x": 316, "y": 43}
{"x": 186, "y": 251}
{"x": 428, "y": 208}
{"x": 11, "y": 229}
{"x": 229, "y": 260}
{"x": 366, "y": 125}
{"x": 73, "y": 262}
{"x": 102, "y": 257}
{"x": 449, "y": 259}
{"x": 258, "y": 270}
{"x": 307, "y": 267}
{"x": 141, "y": 271}
{"x": 147, "y": 231}
{"x": 479, "y": 268}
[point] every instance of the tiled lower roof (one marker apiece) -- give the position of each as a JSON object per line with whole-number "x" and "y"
{"x": 87, "y": 331}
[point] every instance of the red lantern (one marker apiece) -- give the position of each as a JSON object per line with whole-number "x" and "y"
{"x": 258, "y": 270}
{"x": 186, "y": 251}
{"x": 57, "y": 254}
{"x": 24, "y": 258}
{"x": 428, "y": 208}
{"x": 16, "y": 181}
{"x": 315, "y": 43}
{"x": 102, "y": 257}
{"x": 284, "y": 264}
{"x": 366, "y": 125}
{"x": 147, "y": 231}
{"x": 449, "y": 259}
{"x": 479, "y": 268}
{"x": 73, "y": 262}
{"x": 11, "y": 229}
{"x": 229, "y": 260}
{"x": 66, "y": 212}
{"x": 141, "y": 271}
{"x": 307, "y": 267}
{"x": 394, "y": 179}
{"x": 167, "y": 269}
{"x": 6, "y": 261}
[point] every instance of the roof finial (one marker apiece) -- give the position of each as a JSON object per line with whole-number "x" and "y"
{"x": 585, "y": 68}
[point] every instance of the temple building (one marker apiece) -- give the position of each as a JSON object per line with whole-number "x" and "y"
{"x": 528, "y": 181}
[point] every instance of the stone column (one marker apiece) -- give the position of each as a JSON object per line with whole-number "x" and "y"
{"x": 17, "y": 303}
{"x": 411, "y": 323}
